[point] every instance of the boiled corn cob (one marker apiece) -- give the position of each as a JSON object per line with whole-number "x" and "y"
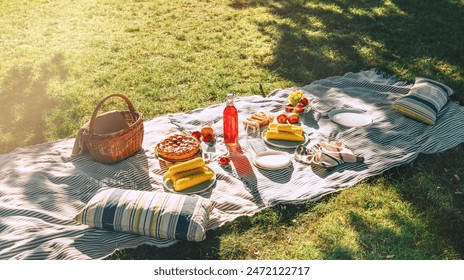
{"x": 192, "y": 180}
{"x": 284, "y": 135}
{"x": 286, "y": 127}
{"x": 184, "y": 166}
{"x": 186, "y": 173}
{"x": 281, "y": 126}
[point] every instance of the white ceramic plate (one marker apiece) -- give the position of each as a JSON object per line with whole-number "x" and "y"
{"x": 283, "y": 143}
{"x": 195, "y": 189}
{"x": 272, "y": 160}
{"x": 350, "y": 117}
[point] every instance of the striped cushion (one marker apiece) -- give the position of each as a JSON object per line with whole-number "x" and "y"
{"x": 424, "y": 100}
{"x": 156, "y": 214}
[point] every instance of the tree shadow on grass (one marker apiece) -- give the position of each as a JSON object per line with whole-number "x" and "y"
{"x": 438, "y": 193}
{"x": 315, "y": 40}
{"x": 205, "y": 250}
{"x": 25, "y": 102}
{"x": 402, "y": 240}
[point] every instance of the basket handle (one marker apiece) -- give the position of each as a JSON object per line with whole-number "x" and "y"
{"x": 95, "y": 112}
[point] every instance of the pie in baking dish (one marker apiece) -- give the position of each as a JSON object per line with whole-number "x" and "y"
{"x": 178, "y": 147}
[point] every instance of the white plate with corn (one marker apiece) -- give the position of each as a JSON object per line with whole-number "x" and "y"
{"x": 189, "y": 177}
{"x": 284, "y": 135}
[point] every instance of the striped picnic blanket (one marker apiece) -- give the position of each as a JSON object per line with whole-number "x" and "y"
{"x": 42, "y": 188}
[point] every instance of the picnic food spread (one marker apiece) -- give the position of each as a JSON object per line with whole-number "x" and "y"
{"x": 184, "y": 147}
{"x": 178, "y": 147}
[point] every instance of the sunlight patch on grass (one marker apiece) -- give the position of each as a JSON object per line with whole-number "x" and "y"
{"x": 387, "y": 8}
{"x": 332, "y": 54}
{"x": 432, "y": 66}
{"x": 320, "y": 5}
{"x": 370, "y": 50}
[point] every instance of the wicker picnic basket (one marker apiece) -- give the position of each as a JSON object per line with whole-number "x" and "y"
{"x": 115, "y": 146}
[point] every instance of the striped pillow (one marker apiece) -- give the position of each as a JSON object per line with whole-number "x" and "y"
{"x": 424, "y": 100}
{"x": 156, "y": 214}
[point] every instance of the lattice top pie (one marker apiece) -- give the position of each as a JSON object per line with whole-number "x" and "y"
{"x": 179, "y": 146}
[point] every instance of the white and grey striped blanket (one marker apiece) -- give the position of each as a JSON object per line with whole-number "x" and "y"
{"x": 42, "y": 188}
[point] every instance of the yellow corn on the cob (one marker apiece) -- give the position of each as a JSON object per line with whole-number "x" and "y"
{"x": 184, "y": 173}
{"x": 272, "y": 125}
{"x": 284, "y": 135}
{"x": 192, "y": 180}
{"x": 296, "y": 130}
{"x": 189, "y": 172}
{"x": 184, "y": 166}
{"x": 281, "y": 126}
{"x": 286, "y": 127}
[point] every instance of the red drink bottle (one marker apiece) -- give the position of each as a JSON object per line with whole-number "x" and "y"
{"x": 230, "y": 119}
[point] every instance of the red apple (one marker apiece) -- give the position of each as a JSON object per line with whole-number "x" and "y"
{"x": 196, "y": 134}
{"x": 293, "y": 118}
{"x": 224, "y": 160}
{"x": 207, "y": 137}
{"x": 289, "y": 108}
{"x": 304, "y": 101}
{"x": 299, "y": 109}
{"x": 282, "y": 118}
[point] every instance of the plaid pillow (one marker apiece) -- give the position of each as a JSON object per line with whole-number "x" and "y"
{"x": 156, "y": 214}
{"x": 424, "y": 100}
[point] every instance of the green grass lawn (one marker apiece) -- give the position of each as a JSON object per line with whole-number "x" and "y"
{"x": 59, "y": 58}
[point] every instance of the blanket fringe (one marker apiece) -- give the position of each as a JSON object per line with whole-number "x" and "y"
{"x": 391, "y": 77}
